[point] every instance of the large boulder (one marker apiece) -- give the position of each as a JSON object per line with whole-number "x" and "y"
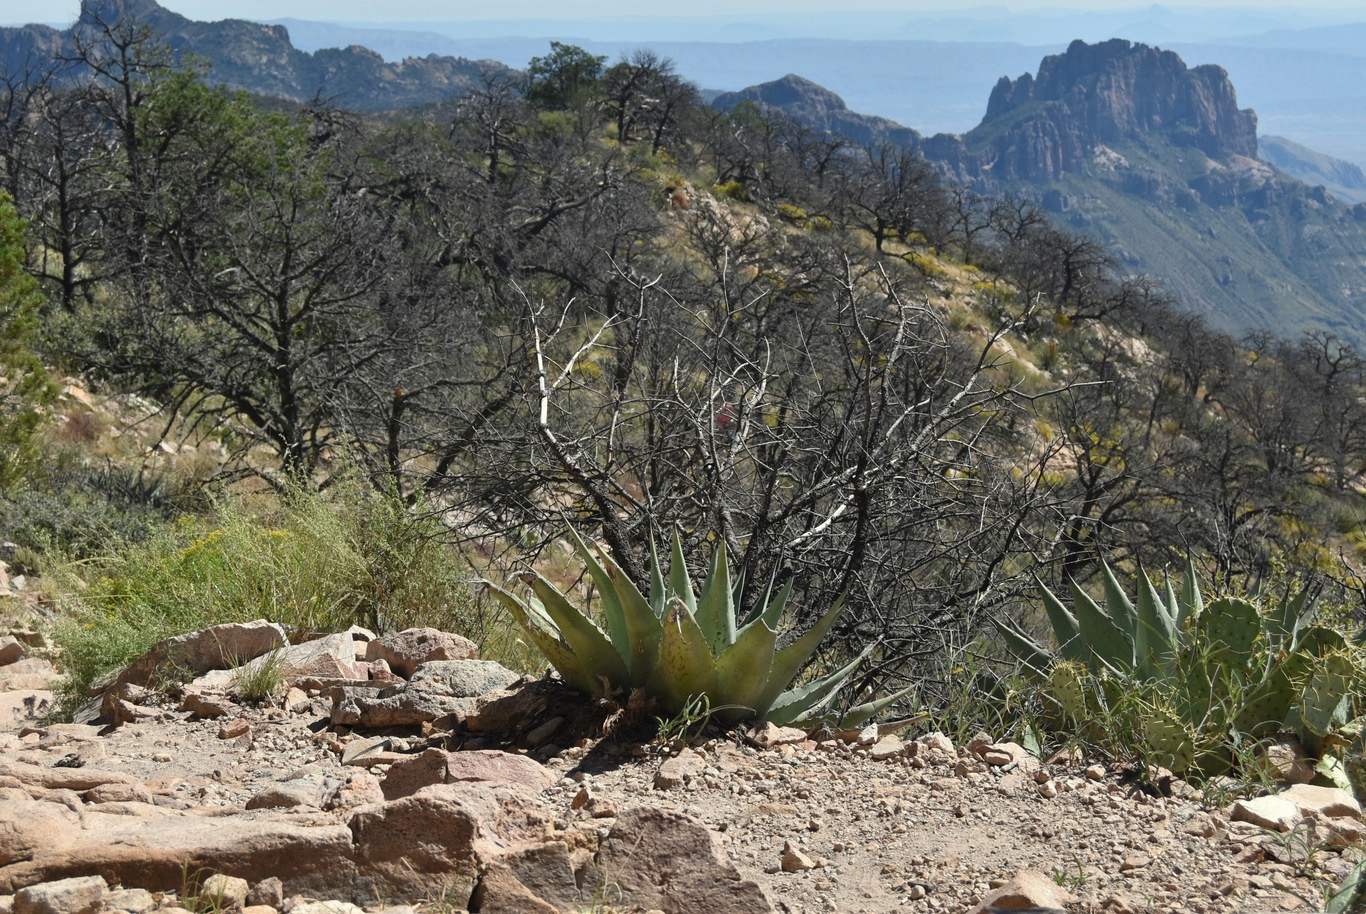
{"x": 411, "y": 648}
{"x": 486, "y": 766}
{"x": 217, "y": 648}
{"x": 664, "y": 860}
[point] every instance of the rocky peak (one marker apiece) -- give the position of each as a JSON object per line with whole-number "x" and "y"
{"x": 1039, "y": 127}
{"x": 818, "y": 107}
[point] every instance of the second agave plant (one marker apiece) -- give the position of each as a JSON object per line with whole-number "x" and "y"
{"x": 678, "y": 643}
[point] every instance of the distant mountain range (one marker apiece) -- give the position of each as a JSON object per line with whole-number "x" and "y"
{"x": 1156, "y": 160}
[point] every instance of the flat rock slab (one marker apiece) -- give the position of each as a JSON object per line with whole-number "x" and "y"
{"x": 437, "y": 766}
{"x": 24, "y": 707}
{"x": 1274, "y": 812}
{"x": 43, "y": 842}
{"x": 395, "y": 706}
{"x": 1331, "y": 802}
{"x": 412, "y": 647}
{"x": 464, "y": 678}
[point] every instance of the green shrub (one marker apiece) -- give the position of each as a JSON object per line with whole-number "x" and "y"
{"x": 321, "y": 561}
{"x": 735, "y": 190}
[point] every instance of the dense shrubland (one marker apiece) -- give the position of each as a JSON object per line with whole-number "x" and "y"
{"x": 582, "y": 297}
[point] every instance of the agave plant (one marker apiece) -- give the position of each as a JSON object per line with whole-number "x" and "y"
{"x": 678, "y": 644}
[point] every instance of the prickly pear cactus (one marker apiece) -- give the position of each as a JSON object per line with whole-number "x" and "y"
{"x": 1170, "y": 738}
{"x": 1325, "y": 692}
{"x": 1067, "y": 687}
{"x": 1233, "y": 621}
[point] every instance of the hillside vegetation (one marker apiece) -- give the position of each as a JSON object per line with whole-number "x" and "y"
{"x": 583, "y": 298}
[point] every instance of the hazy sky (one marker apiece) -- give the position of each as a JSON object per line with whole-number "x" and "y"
{"x": 63, "y": 11}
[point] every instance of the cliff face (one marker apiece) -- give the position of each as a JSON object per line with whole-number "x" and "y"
{"x": 261, "y": 59}
{"x": 1041, "y": 127}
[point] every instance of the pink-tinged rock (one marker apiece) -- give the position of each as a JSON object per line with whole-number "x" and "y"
{"x": 379, "y": 670}
{"x": 1010, "y": 754}
{"x": 670, "y": 862}
{"x": 1342, "y": 831}
{"x": 1287, "y": 761}
{"x": 887, "y": 747}
{"x": 119, "y": 793}
{"x": 208, "y": 705}
{"x": 234, "y": 728}
{"x": 63, "y": 778}
{"x": 396, "y": 706}
{"x": 78, "y": 895}
{"x": 437, "y": 766}
{"x": 441, "y": 834}
{"x": 359, "y": 789}
{"x": 218, "y": 648}
{"x": 771, "y": 735}
{"x": 41, "y": 842}
{"x": 24, "y": 706}
{"x": 501, "y": 892}
{"x": 12, "y": 650}
{"x": 1029, "y": 889}
{"x": 675, "y": 771}
{"x": 1267, "y": 812}
{"x": 409, "y": 649}
{"x": 1322, "y": 801}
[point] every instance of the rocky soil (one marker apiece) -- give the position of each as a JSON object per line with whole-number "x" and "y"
{"x": 403, "y": 772}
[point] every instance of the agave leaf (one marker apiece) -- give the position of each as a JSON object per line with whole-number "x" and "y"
{"x": 716, "y": 607}
{"x": 743, "y": 669}
{"x": 1065, "y": 627}
{"x": 1192, "y": 604}
{"x": 592, "y": 648}
{"x": 556, "y": 651}
{"x": 1026, "y": 649}
{"x": 803, "y": 701}
{"x": 859, "y": 715}
{"x": 788, "y": 662}
{"x": 612, "y": 612}
{"x": 1107, "y": 642}
{"x": 771, "y": 612}
{"x": 685, "y": 669}
{"x": 643, "y": 628}
{"x": 1159, "y": 628}
{"x": 680, "y": 585}
{"x": 1121, "y": 610}
{"x": 658, "y": 593}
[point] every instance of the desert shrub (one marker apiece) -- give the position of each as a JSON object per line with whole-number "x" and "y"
{"x": 317, "y": 561}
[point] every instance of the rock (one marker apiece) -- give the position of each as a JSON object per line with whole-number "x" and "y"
{"x": 541, "y": 734}
{"x": 12, "y": 650}
{"x": 359, "y": 789}
{"x": 938, "y": 742}
{"x": 221, "y": 892}
{"x": 547, "y": 871}
{"x": 979, "y": 743}
{"x": 133, "y": 901}
{"x": 1322, "y": 801}
{"x": 1029, "y": 889}
{"x": 668, "y": 861}
{"x": 679, "y": 769}
{"x": 1267, "y": 812}
{"x": 208, "y": 705}
{"x": 234, "y": 728}
{"x": 771, "y": 735}
{"x": 217, "y": 648}
{"x": 1095, "y": 772}
{"x": 437, "y": 766}
{"x": 332, "y": 657}
{"x": 464, "y": 678}
{"x": 1048, "y": 789}
{"x": 1286, "y": 761}
{"x": 297, "y": 701}
{"x": 511, "y": 709}
{"x": 1014, "y": 753}
{"x": 268, "y": 891}
{"x": 794, "y": 861}
{"x": 408, "y": 649}
{"x": 63, "y": 778}
{"x": 21, "y": 706}
{"x": 119, "y": 793}
{"x": 887, "y": 747}
{"x": 326, "y": 907}
{"x": 1342, "y": 831}
{"x": 306, "y": 791}
{"x": 501, "y": 892}
{"x": 441, "y": 833}
{"x": 399, "y": 706}
{"x": 380, "y": 672}
{"x": 41, "y": 842}
{"x": 77, "y": 895}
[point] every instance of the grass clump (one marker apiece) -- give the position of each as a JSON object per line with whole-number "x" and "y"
{"x": 315, "y": 561}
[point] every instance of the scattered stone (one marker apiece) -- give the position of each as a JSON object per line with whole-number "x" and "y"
{"x": 794, "y": 861}
{"x": 1029, "y": 889}
{"x": 676, "y": 771}
{"x": 132, "y": 901}
{"x": 770, "y": 736}
{"x": 269, "y": 891}
{"x": 297, "y": 701}
{"x": 223, "y": 892}
{"x": 409, "y": 649}
{"x": 12, "y": 650}
{"x": 1095, "y": 772}
{"x": 1322, "y": 801}
{"x": 217, "y": 648}
{"x": 77, "y": 895}
{"x": 1287, "y": 761}
{"x": 307, "y": 791}
{"x": 1048, "y": 789}
{"x": 1273, "y": 812}
{"x": 464, "y": 678}
{"x": 234, "y": 728}
{"x": 501, "y": 892}
{"x": 887, "y": 747}
{"x": 208, "y": 705}
{"x": 438, "y": 766}
{"x": 359, "y": 789}
{"x": 402, "y": 705}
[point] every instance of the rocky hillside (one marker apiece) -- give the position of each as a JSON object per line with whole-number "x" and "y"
{"x": 822, "y": 109}
{"x": 1344, "y": 180}
{"x": 402, "y": 773}
{"x": 260, "y": 59}
{"x": 1157, "y": 161}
